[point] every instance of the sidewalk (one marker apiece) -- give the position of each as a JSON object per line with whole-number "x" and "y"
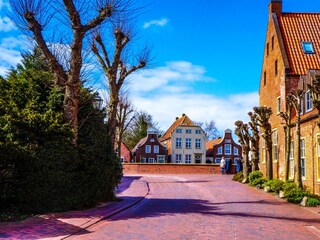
{"x": 61, "y": 225}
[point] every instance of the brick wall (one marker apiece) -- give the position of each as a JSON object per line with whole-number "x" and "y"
{"x": 139, "y": 168}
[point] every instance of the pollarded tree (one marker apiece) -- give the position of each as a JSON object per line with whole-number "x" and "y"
{"x": 294, "y": 98}
{"x": 254, "y": 140}
{"x": 286, "y": 116}
{"x": 315, "y": 93}
{"x": 242, "y": 131}
{"x": 116, "y": 65}
{"x": 263, "y": 116}
{"x": 64, "y": 23}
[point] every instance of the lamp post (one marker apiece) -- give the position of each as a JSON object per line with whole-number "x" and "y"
{"x": 97, "y": 101}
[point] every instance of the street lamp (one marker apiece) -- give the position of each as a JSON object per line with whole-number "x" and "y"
{"x": 97, "y": 102}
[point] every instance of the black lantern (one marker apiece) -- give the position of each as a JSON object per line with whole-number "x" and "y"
{"x": 97, "y": 102}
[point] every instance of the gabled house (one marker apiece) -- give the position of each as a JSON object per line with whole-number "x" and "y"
{"x": 149, "y": 149}
{"x": 223, "y": 147}
{"x": 185, "y": 142}
{"x": 291, "y": 59}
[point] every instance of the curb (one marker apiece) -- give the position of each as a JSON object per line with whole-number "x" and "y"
{"x": 112, "y": 213}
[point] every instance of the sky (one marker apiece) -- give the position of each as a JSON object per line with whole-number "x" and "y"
{"x": 207, "y": 57}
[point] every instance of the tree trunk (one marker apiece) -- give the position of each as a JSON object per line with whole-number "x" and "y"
{"x": 297, "y": 154}
{"x": 288, "y": 147}
{"x": 245, "y": 162}
{"x": 112, "y": 115}
{"x": 269, "y": 162}
{"x": 255, "y": 165}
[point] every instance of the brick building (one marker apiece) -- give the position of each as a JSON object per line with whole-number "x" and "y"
{"x": 185, "y": 141}
{"x": 149, "y": 149}
{"x": 223, "y": 147}
{"x": 291, "y": 56}
{"x": 126, "y": 155}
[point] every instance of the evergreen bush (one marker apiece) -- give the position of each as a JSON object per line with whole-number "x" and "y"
{"x": 275, "y": 185}
{"x": 238, "y": 177}
{"x": 253, "y": 176}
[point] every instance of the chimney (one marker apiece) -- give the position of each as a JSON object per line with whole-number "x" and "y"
{"x": 177, "y": 118}
{"x": 275, "y": 6}
{"x": 183, "y": 114}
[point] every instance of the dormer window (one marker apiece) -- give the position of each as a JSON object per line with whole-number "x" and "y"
{"x": 307, "y": 47}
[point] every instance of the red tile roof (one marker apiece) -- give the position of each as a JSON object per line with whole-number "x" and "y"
{"x": 184, "y": 120}
{"x": 296, "y": 28}
{"x": 213, "y": 142}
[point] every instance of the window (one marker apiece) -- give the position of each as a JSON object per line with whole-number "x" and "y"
{"x": 217, "y": 160}
{"x": 160, "y": 159}
{"x": 178, "y": 143}
{"x": 276, "y": 67}
{"x": 151, "y": 140}
{"x": 227, "y": 149}
{"x": 151, "y": 160}
{"x": 178, "y": 158}
{"x": 272, "y": 43}
{"x": 228, "y": 141}
{"x": 148, "y": 148}
{"x": 178, "y": 130}
{"x": 263, "y": 146}
{"x": 291, "y": 164}
{"x": 188, "y": 158}
{"x": 143, "y": 160}
{"x": 308, "y": 101}
{"x": 236, "y": 160}
{"x": 264, "y": 78}
{"x": 188, "y": 143}
{"x": 198, "y": 143}
{"x": 188, "y": 131}
{"x": 219, "y": 151}
{"x": 122, "y": 159}
{"x": 307, "y": 47}
{"x": 267, "y": 49}
{"x": 198, "y": 158}
{"x": 156, "y": 148}
{"x": 303, "y": 158}
{"x": 235, "y": 151}
{"x": 198, "y": 131}
{"x": 275, "y": 145}
{"x": 278, "y": 104}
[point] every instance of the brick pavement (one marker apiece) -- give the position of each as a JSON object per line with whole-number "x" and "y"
{"x": 60, "y": 225}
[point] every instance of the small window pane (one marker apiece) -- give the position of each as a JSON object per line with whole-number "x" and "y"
{"x": 307, "y": 47}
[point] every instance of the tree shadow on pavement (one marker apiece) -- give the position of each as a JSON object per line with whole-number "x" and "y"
{"x": 126, "y": 182}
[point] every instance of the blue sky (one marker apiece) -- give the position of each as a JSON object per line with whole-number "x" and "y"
{"x": 207, "y": 57}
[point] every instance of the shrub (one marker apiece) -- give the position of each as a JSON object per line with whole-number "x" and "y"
{"x": 254, "y": 176}
{"x": 259, "y": 182}
{"x": 295, "y": 195}
{"x": 275, "y": 185}
{"x": 313, "y": 202}
{"x": 238, "y": 177}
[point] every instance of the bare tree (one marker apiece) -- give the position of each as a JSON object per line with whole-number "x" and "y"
{"x": 125, "y": 115}
{"x": 263, "y": 116}
{"x": 33, "y": 17}
{"x": 254, "y": 140}
{"x": 286, "y": 116}
{"x": 116, "y": 65}
{"x": 242, "y": 131}
{"x": 210, "y": 129}
{"x": 295, "y": 98}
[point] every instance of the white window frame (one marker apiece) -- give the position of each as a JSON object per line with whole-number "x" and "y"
{"x": 156, "y": 148}
{"x": 263, "y": 149}
{"x": 227, "y": 149}
{"x": 188, "y": 131}
{"x": 303, "y": 157}
{"x": 198, "y": 143}
{"x": 148, "y": 148}
{"x": 235, "y": 151}
{"x": 198, "y": 131}
{"x": 178, "y": 142}
{"x": 219, "y": 152}
{"x": 178, "y": 130}
{"x": 278, "y": 104}
{"x": 188, "y": 142}
{"x": 161, "y": 159}
{"x": 151, "y": 160}
{"x": 275, "y": 151}
{"x": 291, "y": 159}
{"x": 217, "y": 160}
{"x": 188, "y": 158}
{"x": 143, "y": 160}
{"x": 178, "y": 158}
{"x": 308, "y": 101}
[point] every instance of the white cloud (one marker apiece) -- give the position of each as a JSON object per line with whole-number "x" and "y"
{"x": 166, "y": 92}
{"x": 157, "y": 22}
{"x": 6, "y": 24}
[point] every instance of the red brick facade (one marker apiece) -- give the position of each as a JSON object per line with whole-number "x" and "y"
{"x": 125, "y": 153}
{"x": 150, "y": 150}
{"x": 284, "y": 64}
